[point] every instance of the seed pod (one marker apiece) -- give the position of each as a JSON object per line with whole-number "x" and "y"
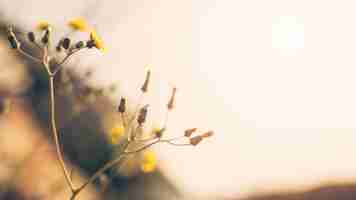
{"x": 45, "y": 38}
{"x": 189, "y": 132}
{"x": 144, "y": 87}
{"x": 196, "y": 140}
{"x": 66, "y": 43}
{"x": 122, "y": 105}
{"x": 142, "y": 115}
{"x": 207, "y": 134}
{"x": 170, "y": 104}
{"x": 90, "y": 44}
{"x": 31, "y": 36}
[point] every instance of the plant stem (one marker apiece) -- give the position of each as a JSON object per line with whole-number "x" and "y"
{"x": 55, "y": 133}
{"x": 105, "y": 167}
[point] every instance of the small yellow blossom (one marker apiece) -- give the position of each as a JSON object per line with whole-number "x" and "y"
{"x": 98, "y": 42}
{"x": 115, "y": 133}
{"x": 149, "y": 162}
{"x": 43, "y": 25}
{"x": 157, "y": 131}
{"x": 78, "y": 24}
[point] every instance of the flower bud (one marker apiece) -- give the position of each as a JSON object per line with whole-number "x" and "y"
{"x": 45, "y": 38}
{"x": 207, "y": 134}
{"x": 196, "y": 140}
{"x": 144, "y": 87}
{"x": 90, "y": 44}
{"x": 79, "y": 45}
{"x": 142, "y": 115}
{"x": 31, "y": 37}
{"x": 14, "y": 43}
{"x": 59, "y": 46}
{"x": 122, "y": 105}
{"x": 189, "y": 132}
{"x": 170, "y": 104}
{"x": 66, "y": 43}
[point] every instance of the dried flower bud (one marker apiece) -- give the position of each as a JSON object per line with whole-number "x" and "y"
{"x": 79, "y": 45}
{"x": 159, "y": 132}
{"x": 144, "y": 87}
{"x": 142, "y": 115}
{"x": 122, "y": 105}
{"x": 14, "y": 43}
{"x": 66, "y": 43}
{"x": 31, "y": 37}
{"x": 59, "y": 46}
{"x": 189, "y": 132}
{"x": 45, "y": 38}
{"x": 207, "y": 134}
{"x": 90, "y": 44}
{"x": 196, "y": 140}
{"x": 170, "y": 104}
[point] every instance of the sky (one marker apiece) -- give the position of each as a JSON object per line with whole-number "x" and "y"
{"x": 274, "y": 80}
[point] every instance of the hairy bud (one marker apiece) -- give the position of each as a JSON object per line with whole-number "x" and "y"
{"x": 195, "y": 140}
{"x": 66, "y": 43}
{"x": 189, "y": 132}
{"x": 31, "y": 36}
{"x": 144, "y": 87}
{"x": 170, "y": 104}
{"x": 45, "y": 38}
{"x": 142, "y": 115}
{"x": 207, "y": 134}
{"x": 122, "y": 105}
{"x": 79, "y": 45}
{"x": 14, "y": 43}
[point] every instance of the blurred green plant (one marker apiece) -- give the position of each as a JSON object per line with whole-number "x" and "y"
{"x": 130, "y": 131}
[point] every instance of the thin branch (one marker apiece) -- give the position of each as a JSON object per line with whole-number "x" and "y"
{"x": 64, "y": 60}
{"x": 177, "y": 144}
{"x": 55, "y": 133}
{"x": 103, "y": 169}
{"x": 143, "y": 148}
{"x": 29, "y": 56}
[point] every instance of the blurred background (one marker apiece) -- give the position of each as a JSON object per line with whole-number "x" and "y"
{"x": 273, "y": 79}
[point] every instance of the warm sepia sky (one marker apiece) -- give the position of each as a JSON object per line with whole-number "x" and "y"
{"x": 274, "y": 79}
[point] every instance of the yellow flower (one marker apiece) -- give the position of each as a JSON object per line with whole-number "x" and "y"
{"x": 157, "y": 131}
{"x": 43, "y": 25}
{"x": 97, "y": 41}
{"x": 115, "y": 133}
{"x": 149, "y": 162}
{"x": 78, "y": 24}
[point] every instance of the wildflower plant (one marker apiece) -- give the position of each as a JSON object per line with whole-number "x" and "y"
{"x": 129, "y": 132}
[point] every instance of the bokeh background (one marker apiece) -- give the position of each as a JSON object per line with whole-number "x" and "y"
{"x": 273, "y": 79}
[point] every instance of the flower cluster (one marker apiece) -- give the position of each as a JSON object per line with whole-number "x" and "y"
{"x": 43, "y": 40}
{"x": 132, "y": 128}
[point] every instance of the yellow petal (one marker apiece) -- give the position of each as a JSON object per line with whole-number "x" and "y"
{"x": 149, "y": 162}
{"x": 115, "y": 133}
{"x": 42, "y": 25}
{"x": 98, "y": 42}
{"x": 78, "y": 24}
